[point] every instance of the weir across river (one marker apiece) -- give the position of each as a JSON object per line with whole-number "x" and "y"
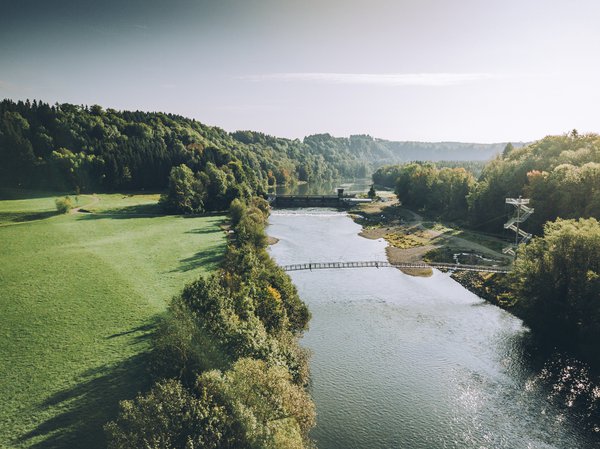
{"x": 337, "y": 201}
{"x": 385, "y": 264}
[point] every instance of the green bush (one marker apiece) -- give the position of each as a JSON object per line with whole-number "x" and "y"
{"x": 557, "y": 281}
{"x": 170, "y": 416}
{"x": 237, "y": 209}
{"x": 253, "y": 405}
{"x": 64, "y": 205}
{"x": 185, "y": 194}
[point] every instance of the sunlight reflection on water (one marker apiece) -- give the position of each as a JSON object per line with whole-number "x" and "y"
{"x": 405, "y": 362}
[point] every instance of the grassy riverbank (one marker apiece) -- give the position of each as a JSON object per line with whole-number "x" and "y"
{"x": 80, "y": 295}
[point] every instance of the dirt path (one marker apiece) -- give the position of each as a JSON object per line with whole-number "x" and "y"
{"x": 77, "y": 210}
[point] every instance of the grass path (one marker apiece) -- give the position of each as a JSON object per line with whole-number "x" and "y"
{"x": 95, "y": 199}
{"x": 79, "y": 295}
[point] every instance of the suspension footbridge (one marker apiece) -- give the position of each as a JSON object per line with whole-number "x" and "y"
{"x": 385, "y": 264}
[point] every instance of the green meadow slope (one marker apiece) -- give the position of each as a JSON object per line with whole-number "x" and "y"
{"x": 79, "y": 295}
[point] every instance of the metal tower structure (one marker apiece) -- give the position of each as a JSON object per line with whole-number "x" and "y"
{"x": 514, "y": 224}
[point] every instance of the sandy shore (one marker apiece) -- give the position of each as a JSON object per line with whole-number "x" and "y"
{"x": 385, "y": 219}
{"x": 410, "y": 238}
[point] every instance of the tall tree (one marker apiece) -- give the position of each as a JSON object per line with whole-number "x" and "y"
{"x": 557, "y": 280}
{"x": 185, "y": 192}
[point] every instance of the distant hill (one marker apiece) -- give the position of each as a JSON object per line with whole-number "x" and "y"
{"x": 378, "y": 152}
{"x": 446, "y": 151}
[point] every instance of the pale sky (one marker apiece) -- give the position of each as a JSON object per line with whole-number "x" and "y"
{"x": 429, "y": 70}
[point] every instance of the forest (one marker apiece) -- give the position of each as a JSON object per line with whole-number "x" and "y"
{"x": 555, "y": 283}
{"x": 68, "y": 147}
{"x": 560, "y": 174}
{"x": 85, "y": 149}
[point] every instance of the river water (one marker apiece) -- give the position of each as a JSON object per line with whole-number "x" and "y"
{"x": 350, "y": 186}
{"x": 406, "y": 362}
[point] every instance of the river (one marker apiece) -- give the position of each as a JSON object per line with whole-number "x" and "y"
{"x": 406, "y": 362}
{"x": 350, "y": 186}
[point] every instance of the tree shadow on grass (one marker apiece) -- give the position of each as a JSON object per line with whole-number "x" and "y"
{"x": 143, "y": 328}
{"x": 138, "y": 211}
{"x": 205, "y": 230}
{"x": 22, "y": 217}
{"x": 135, "y": 211}
{"x": 209, "y": 259}
{"x": 92, "y": 402}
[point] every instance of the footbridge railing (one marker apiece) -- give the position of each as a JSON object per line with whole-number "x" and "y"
{"x": 384, "y": 264}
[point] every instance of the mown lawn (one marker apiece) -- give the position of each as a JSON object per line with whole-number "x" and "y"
{"x": 79, "y": 296}
{"x": 21, "y": 207}
{"x": 143, "y": 203}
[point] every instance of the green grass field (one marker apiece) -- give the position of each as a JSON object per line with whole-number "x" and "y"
{"x": 79, "y": 295}
{"x": 24, "y": 207}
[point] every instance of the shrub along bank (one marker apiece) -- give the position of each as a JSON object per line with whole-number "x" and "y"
{"x": 554, "y": 286}
{"x": 231, "y": 373}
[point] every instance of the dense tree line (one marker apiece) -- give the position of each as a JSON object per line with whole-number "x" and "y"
{"x": 557, "y": 284}
{"x": 473, "y": 167}
{"x": 231, "y": 373}
{"x": 561, "y": 175}
{"x": 421, "y": 185}
{"x": 70, "y": 147}
{"x": 387, "y": 175}
{"x": 84, "y": 148}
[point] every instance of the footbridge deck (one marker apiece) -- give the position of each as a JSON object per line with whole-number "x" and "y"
{"x": 383, "y": 264}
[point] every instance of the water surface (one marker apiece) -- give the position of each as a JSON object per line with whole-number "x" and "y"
{"x": 350, "y": 186}
{"x": 406, "y": 362}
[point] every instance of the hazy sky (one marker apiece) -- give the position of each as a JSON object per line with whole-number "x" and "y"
{"x": 468, "y": 70}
